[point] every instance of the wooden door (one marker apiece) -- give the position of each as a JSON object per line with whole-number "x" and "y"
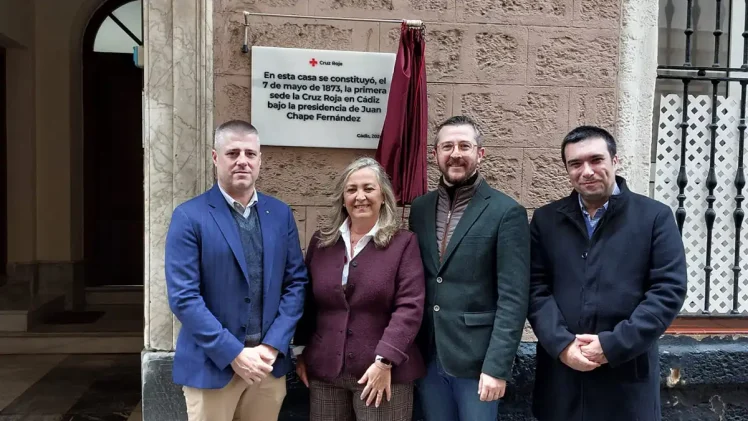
{"x": 113, "y": 171}
{"x": 3, "y": 171}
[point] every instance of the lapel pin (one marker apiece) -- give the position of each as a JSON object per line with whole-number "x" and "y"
{"x": 267, "y": 211}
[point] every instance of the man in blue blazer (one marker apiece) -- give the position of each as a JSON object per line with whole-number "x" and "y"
{"x": 235, "y": 277}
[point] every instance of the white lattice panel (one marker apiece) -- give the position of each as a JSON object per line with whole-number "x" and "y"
{"x": 698, "y": 146}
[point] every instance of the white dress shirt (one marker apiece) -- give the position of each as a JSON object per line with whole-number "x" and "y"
{"x": 245, "y": 212}
{"x": 345, "y": 232}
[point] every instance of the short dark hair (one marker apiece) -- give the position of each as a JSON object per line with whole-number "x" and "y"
{"x": 233, "y": 126}
{"x": 461, "y": 120}
{"x": 588, "y": 132}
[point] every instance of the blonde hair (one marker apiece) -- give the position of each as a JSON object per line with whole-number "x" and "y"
{"x": 388, "y": 220}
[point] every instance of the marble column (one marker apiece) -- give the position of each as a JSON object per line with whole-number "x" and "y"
{"x": 637, "y": 73}
{"x": 177, "y": 133}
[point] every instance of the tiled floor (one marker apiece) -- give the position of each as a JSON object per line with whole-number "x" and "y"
{"x": 79, "y": 387}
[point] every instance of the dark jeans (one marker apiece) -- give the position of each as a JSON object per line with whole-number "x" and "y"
{"x": 447, "y": 398}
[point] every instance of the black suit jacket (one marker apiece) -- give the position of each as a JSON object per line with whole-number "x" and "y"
{"x": 626, "y": 284}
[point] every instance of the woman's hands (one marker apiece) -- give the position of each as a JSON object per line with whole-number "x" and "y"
{"x": 378, "y": 379}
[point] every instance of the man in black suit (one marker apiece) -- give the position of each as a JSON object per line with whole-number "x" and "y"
{"x": 608, "y": 278}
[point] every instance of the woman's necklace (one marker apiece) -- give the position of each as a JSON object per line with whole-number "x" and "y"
{"x": 354, "y": 240}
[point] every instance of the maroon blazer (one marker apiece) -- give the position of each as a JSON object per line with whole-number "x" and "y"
{"x": 378, "y": 313}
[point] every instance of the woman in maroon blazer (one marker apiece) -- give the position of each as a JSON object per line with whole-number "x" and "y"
{"x": 364, "y": 305}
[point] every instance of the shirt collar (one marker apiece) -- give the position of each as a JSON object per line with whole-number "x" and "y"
{"x": 346, "y": 229}
{"x": 231, "y": 200}
{"x": 616, "y": 191}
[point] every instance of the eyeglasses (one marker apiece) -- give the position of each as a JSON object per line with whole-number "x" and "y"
{"x": 464, "y": 147}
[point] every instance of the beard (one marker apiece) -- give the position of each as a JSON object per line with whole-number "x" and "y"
{"x": 468, "y": 170}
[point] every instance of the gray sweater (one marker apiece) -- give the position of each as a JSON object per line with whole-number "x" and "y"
{"x": 251, "y": 236}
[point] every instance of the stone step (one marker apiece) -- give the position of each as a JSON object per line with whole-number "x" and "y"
{"x": 114, "y": 295}
{"x": 22, "y": 314}
{"x": 71, "y": 343}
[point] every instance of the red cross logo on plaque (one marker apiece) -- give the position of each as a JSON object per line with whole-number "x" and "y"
{"x": 313, "y": 62}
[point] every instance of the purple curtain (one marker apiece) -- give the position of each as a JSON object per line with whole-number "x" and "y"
{"x": 402, "y": 145}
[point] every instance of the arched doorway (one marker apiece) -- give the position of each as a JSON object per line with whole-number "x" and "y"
{"x": 113, "y": 198}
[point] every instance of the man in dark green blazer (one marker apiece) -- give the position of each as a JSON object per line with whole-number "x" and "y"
{"x": 475, "y": 246}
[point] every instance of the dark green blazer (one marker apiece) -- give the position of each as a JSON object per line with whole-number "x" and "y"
{"x": 477, "y": 296}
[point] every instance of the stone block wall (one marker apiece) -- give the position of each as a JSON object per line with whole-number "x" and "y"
{"x": 527, "y": 71}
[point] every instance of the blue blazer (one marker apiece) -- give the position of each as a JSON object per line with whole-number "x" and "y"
{"x": 207, "y": 282}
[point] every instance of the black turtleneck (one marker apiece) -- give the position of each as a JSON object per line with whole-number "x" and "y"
{"x": 453, "y": 188}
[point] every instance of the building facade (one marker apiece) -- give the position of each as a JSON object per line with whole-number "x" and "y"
{"x": 528, "y": 72}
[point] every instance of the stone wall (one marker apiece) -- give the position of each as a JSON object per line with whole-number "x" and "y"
{"x": 700, "y": 379}
{"x": 528, "y": 72}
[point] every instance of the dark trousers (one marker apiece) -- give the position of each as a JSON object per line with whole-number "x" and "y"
{"x": 447, "y": 398}
{"x": 341, "y": 401}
